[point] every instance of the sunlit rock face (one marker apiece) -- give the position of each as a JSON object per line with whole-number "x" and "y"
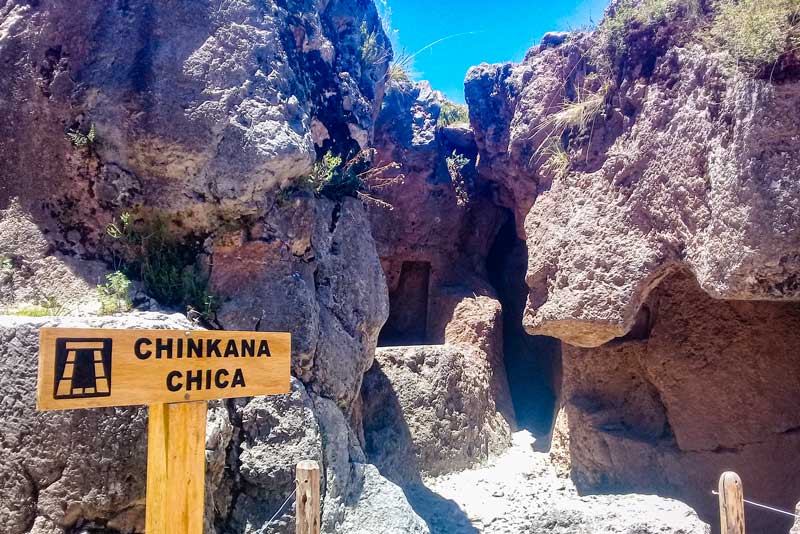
{"x": 689, "y": 166}
{"x": 664, "y": 253}
{"x": 199, "y": 110}
{"x": 200, "y": 115}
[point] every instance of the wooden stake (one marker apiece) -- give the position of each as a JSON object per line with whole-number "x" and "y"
{"x": 307, "y": 500}
{"x": 176, "y": 468}
{"x": 731, "y": 503}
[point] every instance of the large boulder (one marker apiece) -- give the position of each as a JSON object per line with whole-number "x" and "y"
{"x": 687, "y": 167}
{"x": 198, "y": 111}
{"x": 430, "y": 410}
{"x": 707, "y": 387}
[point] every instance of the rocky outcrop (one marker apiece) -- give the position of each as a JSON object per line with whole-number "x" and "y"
{"x": 707, "y": 387}
{"x": 663, "y": 242}
{"x": 436, "y": 222}
{"x": 201, "y": 117}
{"x": 199, "y": 112}
{"x": 308, "y": 267}
{"x": 86, "y": 468}
{"x": 437, "y": 398}
{"x": 688, "y": 166}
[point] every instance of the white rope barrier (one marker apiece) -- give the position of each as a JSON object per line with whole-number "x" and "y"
{"x": 281, "y": 508}
{"x": 764, "y": 506}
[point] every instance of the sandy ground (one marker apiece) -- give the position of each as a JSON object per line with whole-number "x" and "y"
{"x": 519, "y": 492}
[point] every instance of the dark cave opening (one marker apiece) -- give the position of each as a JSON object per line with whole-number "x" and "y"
{"x": 533, "y": 363}
{"x": 408, "y": 307}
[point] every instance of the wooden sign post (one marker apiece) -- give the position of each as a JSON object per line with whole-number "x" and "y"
{"x": 174, "y": 372}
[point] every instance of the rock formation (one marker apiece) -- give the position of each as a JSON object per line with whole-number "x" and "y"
{"x": 613, "y": 235}
{"x": 663, "y": 252}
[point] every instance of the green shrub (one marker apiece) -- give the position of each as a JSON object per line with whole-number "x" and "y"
{"x": 455, "y": 165}
{"x": 114, "y": 295}
{"x": 333, "y": 178}
{"x": 81, "y": 140}
{"x": 757, "y": 32}
{"x": 610, "y": 35}
{"x": 451, "y": 113}
{"x": 166, "y": 265}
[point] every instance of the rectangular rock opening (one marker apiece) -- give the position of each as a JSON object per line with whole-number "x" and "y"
{"x": 408, "y": 307}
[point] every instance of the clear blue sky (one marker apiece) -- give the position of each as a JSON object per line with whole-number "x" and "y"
{"x": 507, "y": 29}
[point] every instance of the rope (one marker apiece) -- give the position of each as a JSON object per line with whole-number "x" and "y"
{"x": 281, "y": 508}
{"x": 764, "y": 506}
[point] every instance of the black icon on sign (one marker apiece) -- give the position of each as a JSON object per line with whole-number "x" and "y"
{"x": 83, "y": 368}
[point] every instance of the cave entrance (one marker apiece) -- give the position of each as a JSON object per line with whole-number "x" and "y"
{"x": 533, "y": 363}
{"x": 408, "y": 307}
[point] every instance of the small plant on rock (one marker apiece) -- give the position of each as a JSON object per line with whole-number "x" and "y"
{"x": 81, "y": 140}
{"x": 558, "y": 161}
{"x": 166, "y": 265}
{"x": 756, "y": 33}
{"x": 114, "y": 295}
{"x": 49, "y": 306}
{"x": 579, "y": 115}
{"x": 6, "y": 264}
{"x": 452, "y": 113}
{"x": 455, "y": 165}
{"x": 372, "y": 52}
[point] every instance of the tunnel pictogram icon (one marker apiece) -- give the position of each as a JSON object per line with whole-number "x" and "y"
{"x": 83, "y": 368}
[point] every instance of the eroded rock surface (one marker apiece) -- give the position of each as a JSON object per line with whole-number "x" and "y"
{"x": 62, "y": 469}
{"x": 707, "y": 388}
{"x": 430, "y": 410}
{"x": 199, "y": 110}
{"x": 309, "y": 267}
{"x": 691, "y": 166}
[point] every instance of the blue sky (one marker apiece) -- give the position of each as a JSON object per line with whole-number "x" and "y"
{"x": 507, "y": 29}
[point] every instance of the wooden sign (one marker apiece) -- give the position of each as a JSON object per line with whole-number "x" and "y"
{"x": 89, "y": 368}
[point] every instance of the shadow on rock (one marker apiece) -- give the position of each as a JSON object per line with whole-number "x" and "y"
{"x": 389, "y": 445}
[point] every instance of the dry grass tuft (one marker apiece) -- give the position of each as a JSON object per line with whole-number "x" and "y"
{"x": 756, "y": 33}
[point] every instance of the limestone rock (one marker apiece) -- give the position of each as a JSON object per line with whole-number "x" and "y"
{"x": 198, "y": 111}
{"x": 434, "y": 227}
{"x": 309, "y": 268}
{"x": 430, "y": 410}
{"x": 59, "y": 469}
{"x": 663, "y": 185}
{"x": 702, "y": 391}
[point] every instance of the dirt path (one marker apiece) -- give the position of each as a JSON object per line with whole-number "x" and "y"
{"x": 519, "y": 492}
